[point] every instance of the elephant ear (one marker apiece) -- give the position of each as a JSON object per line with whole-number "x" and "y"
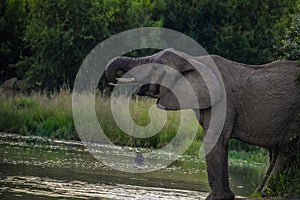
{"x": 194, "y": 89}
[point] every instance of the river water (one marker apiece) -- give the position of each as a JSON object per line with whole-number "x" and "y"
{"x": 37, "y": 168}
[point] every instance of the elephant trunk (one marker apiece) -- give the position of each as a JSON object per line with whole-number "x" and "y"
{"x": 123, "y": 64}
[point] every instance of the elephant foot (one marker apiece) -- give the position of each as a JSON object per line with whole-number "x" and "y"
{"x": 221, "y": 196}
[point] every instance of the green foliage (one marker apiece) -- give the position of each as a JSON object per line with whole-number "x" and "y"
{"x": 291, "y": 42}
{"x": 256, "y": 195}
{"x": 37, "y": 115}
{"x": 12, "y": 25}
{"x": 241, "y": 151}
{"x": 46, "y": 41}
{"x": 61, "y": 33}
{"x": 244, "y": 31}
{"x": 51, "y": 116}
{"x": 133, "y": 14}
{"x": 286, "y": 184}
{"x": 259, "y": 155}
{"x": 242, "y": 146}
{"x": 139, "y": 109}
{"x": 24, "y": 102}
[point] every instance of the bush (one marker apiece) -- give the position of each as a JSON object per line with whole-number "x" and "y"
{"x": 291, "y": 41}
{"x": 12, "y": 25}
{"x": 46, "y": 41}
{"x": 51, "y": 116}
{"x": 38, "y": 115}
{"x": 61, "y": 33}
{"x": 244, "y": 31}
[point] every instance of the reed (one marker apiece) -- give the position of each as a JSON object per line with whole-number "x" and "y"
{"x": 50, "y": 115}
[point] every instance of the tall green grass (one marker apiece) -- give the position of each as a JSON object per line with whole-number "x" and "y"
{"x": 50, "y": 115}
{"x": 286, "y": 184}
{"x": 38, "y": 114}
{"x": 238, "y": 150}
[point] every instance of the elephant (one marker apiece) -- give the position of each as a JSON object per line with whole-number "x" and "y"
{"x": 9, "y": 84}
{"x": 263, "y": 104}
{"x": 14, "y": 84}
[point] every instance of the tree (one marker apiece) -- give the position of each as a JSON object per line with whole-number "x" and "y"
{"x": 291, "y": 41}
{"x": 12, "y": 24}
{"x": 244, "y": 31}
{"x": 60, "y": 33}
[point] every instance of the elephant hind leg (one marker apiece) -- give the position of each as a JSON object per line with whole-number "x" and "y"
{"x": 273, "y": 157}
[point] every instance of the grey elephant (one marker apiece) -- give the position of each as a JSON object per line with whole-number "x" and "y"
{"x": 14, "y": 84}
{"x": 263, "y": 103}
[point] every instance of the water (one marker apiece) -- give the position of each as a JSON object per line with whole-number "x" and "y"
{"x": 35, "y": 168}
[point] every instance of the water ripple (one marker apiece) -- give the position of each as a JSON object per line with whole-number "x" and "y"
{"x": 82, "y": 190}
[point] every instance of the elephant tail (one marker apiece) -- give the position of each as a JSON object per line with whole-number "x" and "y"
{"x": 273, "y": 158}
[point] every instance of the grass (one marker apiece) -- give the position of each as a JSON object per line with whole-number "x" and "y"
{"x": 248, "y": 157}
{"x": 51, "y": 116}
{"x": 239, "y": 151}
{"x": 286, "y": 184}
{"x": 38, "y": 114}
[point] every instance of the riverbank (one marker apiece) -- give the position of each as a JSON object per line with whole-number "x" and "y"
{"x": 50, "y": 115}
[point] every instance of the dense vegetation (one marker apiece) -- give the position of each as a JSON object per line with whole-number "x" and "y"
{"x": 45, "y": 42}
{"x": 51, "y": 116}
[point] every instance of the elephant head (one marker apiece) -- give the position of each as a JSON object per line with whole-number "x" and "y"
{"x": 186, "y": 77}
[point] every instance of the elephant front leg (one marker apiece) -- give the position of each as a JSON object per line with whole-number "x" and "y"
{"x": 217, "y": 170}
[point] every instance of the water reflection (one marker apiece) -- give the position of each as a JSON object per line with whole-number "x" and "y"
{"x": 47, "y": 187}
{"x": 31, "y": 166}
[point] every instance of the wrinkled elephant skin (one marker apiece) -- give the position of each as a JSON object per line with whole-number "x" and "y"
{"x": 262, "y": 104}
